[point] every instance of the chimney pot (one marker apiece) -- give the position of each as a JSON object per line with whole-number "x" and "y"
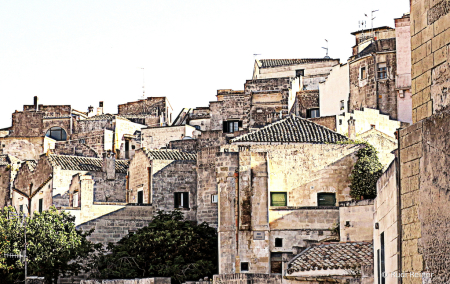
{"x": 351, "y": 128}
{"x": 36, "y": 106}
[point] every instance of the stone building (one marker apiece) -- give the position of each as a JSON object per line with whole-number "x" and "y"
{"x": 166, "y": 179}
{"x": 313, "y": 70}
{"x": 36, "y": 188}
{"x": 423, "y": 200}
{"x": 334, "y": 91}
{"x": 279, "y": 188}
{"x": 154, "y": 138}
{"x": 152, "y": 111}
{"x": 8, "y": 170}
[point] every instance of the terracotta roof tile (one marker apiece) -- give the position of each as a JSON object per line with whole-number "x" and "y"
{"x": 333, "y": 256}
{"x": 170, "y": 155}
{"x": 76, "y": 163}
{"x": 292, "y": 129}
{"x": 267, "y": 63}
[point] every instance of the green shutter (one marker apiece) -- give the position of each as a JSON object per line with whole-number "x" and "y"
{"x": 278, "y": 199}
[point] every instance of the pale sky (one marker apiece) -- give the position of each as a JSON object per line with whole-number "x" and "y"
{"x": 82, "y": 52}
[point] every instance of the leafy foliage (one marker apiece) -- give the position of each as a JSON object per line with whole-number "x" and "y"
{"x": 366, "y": 171}
{"x": 54, "y": 247}
{"x": 167, "y": 247}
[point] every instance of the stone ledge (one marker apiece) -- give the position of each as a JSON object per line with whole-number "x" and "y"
{"x": 275, "y": 208}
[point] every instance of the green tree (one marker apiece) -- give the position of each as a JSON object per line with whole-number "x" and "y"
{"x": 365, "y": 173}
{"x": 54, "y": 247}
{"x": 167, "y": 247}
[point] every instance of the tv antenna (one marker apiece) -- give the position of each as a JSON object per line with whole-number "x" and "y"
{"x": 143, "y": 82}
{"x": 372, "y": 18}
{"x": 326, "y": 48}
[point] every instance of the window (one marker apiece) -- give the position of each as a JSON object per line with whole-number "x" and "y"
{"x": 382, "y": 262}
{"x": 214, "y": 198}
{"x": 21, "y": 208}
{"x": 372, "y": 126}
{"x": 244, "y": 266}
{"x": 340, "y": 121}
{"x": 382, "y": 71}
{"x": 140, "y": 197}
{"x": 312, "y": 113}
{"x": 300, "y": 72}
{"x": 278, "y": 242}
{"x": 326, "y": 199}
{"x": 276, "y": 263}
{"x": 127, "y": 149}
{"x": 342, "y": 105}
{"x": 231, "y": 126}
{"x": 181, "y": 199}
{"x": 41, "y": 201}
{"x": 57, "y": 133}
{"x": 197, "y": 127}
{"x": 75, "y": 200}
{"x": 363, "y": 73}
{"x": 278, "y": 199}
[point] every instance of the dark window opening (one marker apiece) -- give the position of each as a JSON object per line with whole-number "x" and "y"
{"x": 276, "y": 260}
{"x": 312, "y": 113}
{"x": 300, "y": 72}
{"x": 244, "y": 266}
{"x": 57, "y": 133}
{"x": 278, "y": 242}
{"x": 21, "y": 208}
{"x": 382, "y": 71}
{"x": 342, "y": 105}
{"x": 278, "y": 199}
{"x": 127, "y": 149}
{"x": 326, "y": 199}
{"x": 41, "y": 201}
{"x": 340, "y": 121}
{"x": 140, "y": 197}
{"x": 231, "y": 126}
{"x": 372, "y": 126}
{"x": 133, "y": 147}
{"x": 181, "y": 199}
{"x": 382, "y": 256}
{"x": 363, "y": 73}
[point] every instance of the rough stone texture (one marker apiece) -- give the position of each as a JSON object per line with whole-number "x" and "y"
{"x": 387, "y": 216}
{"x": 86, "y": 144}
{"x": 154, "y": 280}
{"x": 356, "y": 220}
{"x": 245, "y": 177}
{"x": 327, "y": 121}
{"x": 244, "y": 278}
{"x": 306, "y": 100}
{"x": 383, "y": 143}
{"x": 159, "y": 137}
{"x": 26, "y": 148}
{"x": 373, "y": 92}
{"x": 230, "y": 106}
{"x": 152, "y": 111}
{"x": 186, "y": 145}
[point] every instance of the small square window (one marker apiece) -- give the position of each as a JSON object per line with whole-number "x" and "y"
{"x": 363, "y": 73}
{"x": 140, "y": 197}
{"x": 278, "y": 242}
{"x": 382, "y": 71}
{"x": 181, "y": 200}
{"x": 278, "y": 199}
{"x": 244, "y": 266}
{"x": 312, "y": 113}
{"x": 214, "y": 198}
{"x": 299, "y": 72}
{"x": 340, "y": 121}
{"x": 133, "y": 147}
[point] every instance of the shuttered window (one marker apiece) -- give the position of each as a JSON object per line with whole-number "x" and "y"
{"x": 278, "y": 199}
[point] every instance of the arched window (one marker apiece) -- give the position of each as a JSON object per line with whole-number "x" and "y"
{"x": 57, "y": 133}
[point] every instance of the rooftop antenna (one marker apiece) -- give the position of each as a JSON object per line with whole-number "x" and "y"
{"x": 143, "y": 83}
{"x": 326, "y": 48}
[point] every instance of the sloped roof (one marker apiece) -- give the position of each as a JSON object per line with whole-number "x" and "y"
{"x": 31, "y": 164}
{"x": 106, "y": 116}
{"x": 6, "y": 159}
{"x": 267, "y": 63}
{"x": 332, "y": 256}
{"x": 76, "y": 163}
{"x": 375, "y": 131}
{"x": 292, "y": 129}
{"x": 170, "y": 155}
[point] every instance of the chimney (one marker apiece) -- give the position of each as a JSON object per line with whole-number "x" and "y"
{"x": 109, "y": 165}
{"x": 36, "y": 106}
{"x": 90, "y": 111}
{"x": 351, "y": 128}
{"x": 100, "y": 108}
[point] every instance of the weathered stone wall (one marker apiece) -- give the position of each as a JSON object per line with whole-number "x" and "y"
{"x": 387, "y": 216}
{"x": 230, "y": 105}
{"x": 327, "y": 121}
{"x": 123, "y": 127}
{"x": 335, "y": 89}
{"x": 51, "y": 110}
{"x": 109, "y": 190}
{"x": 363, "y": 92}
{"x": 265, "y": 107}
{"x": 154, "y": 280}
{"x": 64, "y": 123}
{"x": 94, "y": 125}
{"x": 383, "y": 143}
{"x": 152, "y": 105}
{"x": 207, "y": 186}
{"x": 430, "y": 38}
{"x": 158, "y": 137}
{"x": 5, "y": 182}
{"x": 139, "y": 177}
{"x": 86, "y": 144}
{"x": 306, "y": 100}
{"x": 244, "y": 278}
{"x": 356, "y": 220}
{"x": 28, "y": 124}
{"x": 174, "y": 176}
{"x": 26, "y": 148}
{"x": 186, "y": 145}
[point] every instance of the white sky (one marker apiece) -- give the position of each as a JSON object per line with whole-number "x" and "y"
{"x": 82, "y": 52}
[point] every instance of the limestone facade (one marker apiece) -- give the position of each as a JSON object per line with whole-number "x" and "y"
{"x": 159, "y": 137}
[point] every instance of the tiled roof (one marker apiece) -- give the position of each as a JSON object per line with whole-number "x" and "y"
{"x": 76, "y": 163}
{"x": 106, "y": 116}
{"x": 170, "y": 155}
{"x": 332, "y": 256}
{"x": 267, "y": 63}
{"x": 292, "y": 129}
